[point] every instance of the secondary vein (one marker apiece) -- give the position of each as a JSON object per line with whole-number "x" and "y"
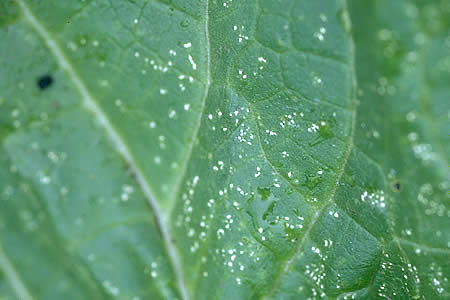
{"x": 13, "y": 277}
{"x": 90, "y": 103}
{"x": 349, "y": 147}
{"x": 188, "y": 156}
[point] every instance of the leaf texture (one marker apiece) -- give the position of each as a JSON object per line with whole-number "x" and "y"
{"x": 203, "y": 149}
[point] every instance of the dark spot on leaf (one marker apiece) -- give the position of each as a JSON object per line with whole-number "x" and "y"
{"x": 184, "y": 23}
{"x": 311, "y": 181}
{"x": 264, "y": 193}
{"x": 269, "y": 211}
{"x": 45, "y": 82}
{"x": 396, "y": 186}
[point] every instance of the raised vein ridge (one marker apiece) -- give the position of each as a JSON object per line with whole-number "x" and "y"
{"x": 13, "y": 277}
{"x": 90, "y": 103}
{"x": 299, "y": 250}
{"x": 188, "y": 156}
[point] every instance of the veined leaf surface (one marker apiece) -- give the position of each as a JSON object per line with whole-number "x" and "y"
{"x": 203, "y": 149}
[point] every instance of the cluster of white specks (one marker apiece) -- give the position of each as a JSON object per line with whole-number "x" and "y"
{"x": 424, "y": 152}
{"x": 219, "y": 114}
{"x": 239, "y": 190}
{"x": 15, "y": 114}
{"x": 219, "y": 166}
{"x": 54, "y": 158}
{"x": 110, "y": 288}
{"x": 227, "y": 3}
{"x": 228, "y": 221}
{"x": 244, "y": 76}
{"x": 290, "y": 223}
{"x": 350, "y": 295}
{"x": 375, "y": 199}
{"x": 333, "y": 213}
{"x": 187, "y": 197}
{"x": 276, "y": 184}
{"x": 172, "y": 52}
{"x": 383, "y": 87}
{"x": 320, "y": 35}
{"x": 231, "y": 259}
{"x": 181, "y": 85}
{"x": 191, "y": 60}
{"x": 245, "y": 135}
{"x": 317, "y": 81}
{"x": 220, "y": 233}
{"x": 270, "y": 132}
{"x": 438, "y": 277}
{"x": 127, "y": 190}
{"x": 314, "y": 128}
{"x": 407, "y": 272}
{"x": 261, "y": 230}
{"x": 328, "y": 243}
{"x": 162, "y": 141}
{"x": 316, "y": 272}
{"x": 155, "y": 66}
{"x": 407, "y": 232}
{"x": 289, "y": 120}
{"x": 241, "y": 35}
{"x": 413, "y": 271}
{"x": 258, "y": 172}
{"x": 432, "y": 207}
{"x": 153, "y": 273}
{"x": 185, "y": 221}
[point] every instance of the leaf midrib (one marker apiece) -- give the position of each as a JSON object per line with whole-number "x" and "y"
{"x": 187, "y": 159}
{"x": 90, "y": 104}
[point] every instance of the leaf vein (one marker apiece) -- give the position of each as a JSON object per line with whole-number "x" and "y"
{"x": 90, "y": 104}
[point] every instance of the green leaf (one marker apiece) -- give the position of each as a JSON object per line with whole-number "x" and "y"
{"x": 202, "y": 149}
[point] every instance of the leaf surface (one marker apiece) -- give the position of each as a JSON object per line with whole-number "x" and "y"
{"x": 261, "y": 149}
